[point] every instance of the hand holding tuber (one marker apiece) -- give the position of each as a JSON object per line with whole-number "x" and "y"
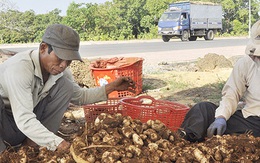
{"x": 217, "y": 127}
{"x": 63, "y": 146}
{"x": 121, "y": 84}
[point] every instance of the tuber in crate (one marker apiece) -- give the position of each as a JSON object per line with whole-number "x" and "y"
{"x": 111, "y": 106}
{"x": 129, "y": 66}
{"x": 170, "y": 113}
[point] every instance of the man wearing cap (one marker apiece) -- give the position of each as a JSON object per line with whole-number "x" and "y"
{"x": 36, "y": 88}
{"x": 205, "y": 119}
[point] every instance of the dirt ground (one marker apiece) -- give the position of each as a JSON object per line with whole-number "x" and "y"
{"x": 117, "y": 138}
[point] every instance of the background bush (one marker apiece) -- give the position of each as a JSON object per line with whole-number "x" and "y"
{"x": 116, "y": 20}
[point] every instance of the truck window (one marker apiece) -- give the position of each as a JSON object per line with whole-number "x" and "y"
{"x": 183, "y": 16}
{"x": 169, "y": 17}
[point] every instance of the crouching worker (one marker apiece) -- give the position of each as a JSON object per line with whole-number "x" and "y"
{"x": 36, "y": 87}
{"x": 206, "y": 119}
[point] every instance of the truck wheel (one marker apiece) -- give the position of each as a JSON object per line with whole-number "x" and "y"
{"x": 209, "y": 35}
{"x": 166, "y": 38}
{"x": 193, "y": 38}
{"x": 184, "y": 36}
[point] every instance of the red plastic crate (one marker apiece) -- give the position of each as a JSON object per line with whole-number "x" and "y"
{"x": 111, "y": 106}
{"x": 133, "y": 68}
{"x": 170, "y": 113}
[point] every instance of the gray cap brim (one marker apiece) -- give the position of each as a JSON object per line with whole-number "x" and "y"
{"x": 66, "y": 54}
{"x": 253, "y": 48}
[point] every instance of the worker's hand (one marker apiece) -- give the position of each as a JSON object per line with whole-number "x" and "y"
{"x": 64, "y": 145}
{"x": 217, "y": 127}
{"x": 121, "y": 84}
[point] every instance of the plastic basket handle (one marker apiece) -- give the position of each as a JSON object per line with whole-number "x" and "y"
{"x": 163, "y": 108}
{"x": 141, "y": 98}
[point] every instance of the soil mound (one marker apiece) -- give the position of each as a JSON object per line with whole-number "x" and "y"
{"x": 5, "y": 54}
{"x": 82, "y": 73}
{"x": 213, "y": 61}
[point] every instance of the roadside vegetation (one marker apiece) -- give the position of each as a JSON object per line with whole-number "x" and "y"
{"x": 113, "y": 20}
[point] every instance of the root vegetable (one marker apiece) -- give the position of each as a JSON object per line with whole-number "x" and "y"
{"x": 163, "y": 143}
{"x": 149, "y": 123}
{"x": 181, "y": 160}
{"x": 102, "y": 133}
{"x": 255, "y": 156}
{"x": 154, "y": 137}
{"x": 171, "y": 138}
{"x": 153, "y": 147}
{"x": 129, "y": 154}
{"x": 156, "y": 125}
{"x": 174, "y": 153}
{"x": 143, "y": 136}
{"x": 112, "y": 156}
{"x": 113, "y": 138}
{"x": 127, "y": 121}
{"x": 154, "y": 158}
{"x": 100, "y": 118}
{"x": 107, "y": 157}
{"x": 188, "y": 156}
{"x": 126, "y": 141}
{"x": 126, "y": 160}
{"x": 91, "y": 158}
{"x": 200, "y": 156}
{"x": 145, "y": 126}
{"x": 205, "y": 149}
{"x": 138, "y": 129}
{"x": 165, "y": 156}
{"x": 109, "y": 140}
{"x": 110, "y": 122}
{"x": 151, "y": 134}
{"x": 134, "y": 150}
{"x": 76, "y": 156}
{"x": 137, "y": 140}
{"x": 227, "y": 160}
{"x": 248, "y": 149}
{"x": 127, "y": 131}
{"x": 165, "y": 133}
{"x": 145, "y": 151}
{"x": 225, "y": 152}
{"x": 218, "y": 155}
{"x": 119, "y": 117}
{"x": 96, "y": 139}
{"x": 245, "y": 160}
{"x": 22, "y": 155}
{"x": 180, "y": 143}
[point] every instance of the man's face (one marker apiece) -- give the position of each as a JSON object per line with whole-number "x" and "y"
{"x": 51, "y": 63}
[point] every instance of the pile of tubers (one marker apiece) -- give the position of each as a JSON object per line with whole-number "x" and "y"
{"x": 115, "y": 138}
{"x": 121, "y": 139}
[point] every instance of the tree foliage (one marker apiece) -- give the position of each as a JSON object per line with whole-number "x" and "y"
{"x": 113, "y": 20}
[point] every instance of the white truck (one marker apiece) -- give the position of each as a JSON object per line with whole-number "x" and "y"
{"x": 189, "y": 20}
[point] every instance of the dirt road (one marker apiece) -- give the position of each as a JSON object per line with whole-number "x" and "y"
{"x": 153, "y": 57}
{"x": 184, "y": 55}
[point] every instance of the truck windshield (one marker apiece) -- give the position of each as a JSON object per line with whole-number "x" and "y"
{"x": 169, "y": 17}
